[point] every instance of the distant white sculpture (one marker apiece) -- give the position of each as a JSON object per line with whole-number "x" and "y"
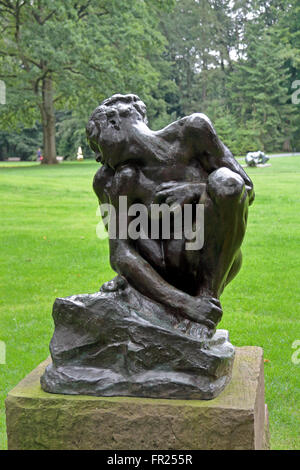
{"x": 256, "y": 158}
{"x": 79, "y": 154}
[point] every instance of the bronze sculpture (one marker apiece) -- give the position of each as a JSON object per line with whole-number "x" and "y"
{"x": 256, "y": 158}
{"x": 151, "y": 331}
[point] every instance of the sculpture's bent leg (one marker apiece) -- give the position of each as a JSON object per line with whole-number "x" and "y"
{"x": 225, "y": 223}
{"x": 236, "y": 266}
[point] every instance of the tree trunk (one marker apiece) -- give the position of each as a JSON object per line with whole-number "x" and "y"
{"x": 48, "y": 122}
{"x": 287, "y": 145}
{"x": 204, "y": 79}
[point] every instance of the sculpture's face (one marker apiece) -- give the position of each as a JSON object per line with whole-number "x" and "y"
{"x": 110, "y": 131}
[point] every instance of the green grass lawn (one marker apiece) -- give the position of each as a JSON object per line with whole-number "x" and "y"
{"x": 49, "y": 249}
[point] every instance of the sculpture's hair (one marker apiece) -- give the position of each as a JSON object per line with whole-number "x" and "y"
{"x": 132, "y": 100}
{"x": 114, "y": 108}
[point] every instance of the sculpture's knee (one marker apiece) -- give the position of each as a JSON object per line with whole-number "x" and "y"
{"x": 224, "y": 184}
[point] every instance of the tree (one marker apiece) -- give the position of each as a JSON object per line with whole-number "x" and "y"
{"x": 259, "y": 90}
{"x": 234, "y": 60}
{"x": 21, "y": 143}
{"x": 188, "y": 30}
{"x": 202, "y": 35}
{"x": 72, "y": 53}
{"x": 288, "y": 34}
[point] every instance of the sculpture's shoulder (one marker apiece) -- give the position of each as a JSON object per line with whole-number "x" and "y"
{"x": 198, "y": 123}
{"x": 102, "y": 182}
{"x": 186, "y": 127}
{"x": 189, "y": 128}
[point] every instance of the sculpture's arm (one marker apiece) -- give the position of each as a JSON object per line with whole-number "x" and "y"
{"x": 127, "y": 262}
{"x": 102, "y": 184}
{"x": 202, "y": 140}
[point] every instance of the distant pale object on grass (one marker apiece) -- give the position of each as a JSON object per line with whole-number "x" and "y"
{"x": 79, "y": 154}
{"x": 256, "y": 158}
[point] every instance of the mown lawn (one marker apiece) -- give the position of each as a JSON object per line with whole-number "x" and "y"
{"x": 49, "y": 248}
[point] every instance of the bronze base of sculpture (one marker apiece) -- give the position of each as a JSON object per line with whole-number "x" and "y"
{"x": 105, "y": 346}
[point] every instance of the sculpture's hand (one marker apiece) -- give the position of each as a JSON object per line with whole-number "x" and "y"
{"x": 205, "y": 310}
{"x": 174, "y": 193}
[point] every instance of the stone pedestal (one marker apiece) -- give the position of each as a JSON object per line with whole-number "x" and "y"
{"x": 236, "y": 419}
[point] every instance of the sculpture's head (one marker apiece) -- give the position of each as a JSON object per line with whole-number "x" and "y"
{"x": 110, "y": 126}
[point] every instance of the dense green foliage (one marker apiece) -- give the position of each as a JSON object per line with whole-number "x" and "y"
{"x": 69, "y": 55}
{"x": 50, "y": 249}
{"x": 234, "y": 60}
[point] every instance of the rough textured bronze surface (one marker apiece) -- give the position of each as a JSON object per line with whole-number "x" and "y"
{"x": 104, "y": 347}
{"x": 236, "y": 419}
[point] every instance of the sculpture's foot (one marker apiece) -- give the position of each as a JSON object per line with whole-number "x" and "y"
{"x": 117, "y": 283}
{"x": 104, "y": 346}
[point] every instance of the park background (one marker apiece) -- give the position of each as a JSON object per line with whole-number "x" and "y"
{"x": 236, "y": 61}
